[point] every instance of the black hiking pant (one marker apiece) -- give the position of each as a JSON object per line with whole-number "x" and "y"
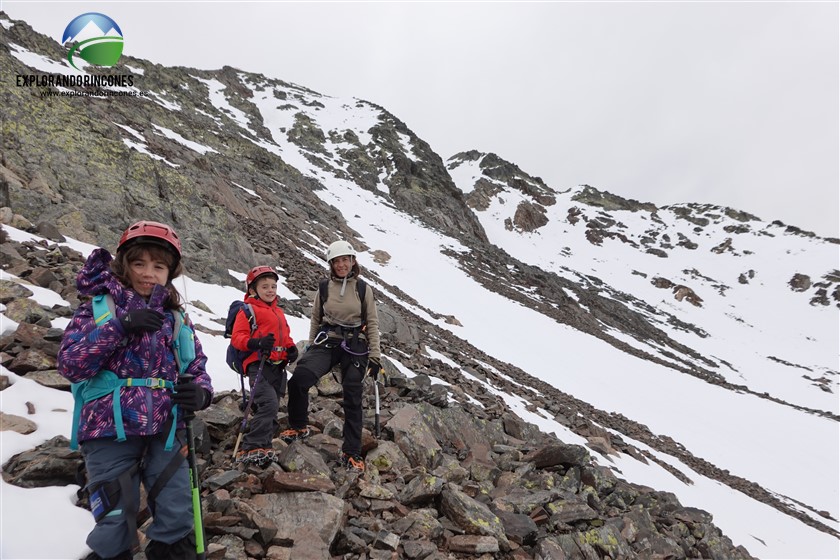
{"x": 318, "y": 360}
{"x": 267, "y": 393}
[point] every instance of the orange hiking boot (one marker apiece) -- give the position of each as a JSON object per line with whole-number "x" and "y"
{"x": 352, "y": 462}
{"x": 293, "y": 434}
{"x": 259, "y": 457}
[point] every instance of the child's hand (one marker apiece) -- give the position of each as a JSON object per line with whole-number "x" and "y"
{"x": 264, "y": 344}
{"x": 191, "y": 397}
{"x": 141, "y": 320}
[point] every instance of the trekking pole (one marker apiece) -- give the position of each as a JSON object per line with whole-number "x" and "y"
{"x": 194, "y": 481}
{"x": 242, "y": 382}
{"x": 248, "y": 406}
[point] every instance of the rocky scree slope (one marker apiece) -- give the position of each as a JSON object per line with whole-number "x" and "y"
{"x": 446, "y": 479}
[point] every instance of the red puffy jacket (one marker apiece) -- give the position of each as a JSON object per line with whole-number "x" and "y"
{"x": 270, "y": 320}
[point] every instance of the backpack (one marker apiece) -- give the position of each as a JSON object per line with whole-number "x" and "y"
{"x": 234, "y": 356}
{"x": 323, "y": 290}
{"x": 106, "y": 381}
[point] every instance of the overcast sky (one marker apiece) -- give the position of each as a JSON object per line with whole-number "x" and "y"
{"x": 725, "y": 103}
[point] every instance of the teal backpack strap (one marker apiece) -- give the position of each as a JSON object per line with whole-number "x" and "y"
{"x": 118, "y": 417}
{"x": 183, "y": 348}
{"x": 176, "y": 342}
{"x": 183, "y": 342}
{"x": 105, "y": 382}
{"x": 170, "y": 439}
{"x": 176, "y": 351}
{"x": 78, "y": 402}
{"x": 103, "y": 308}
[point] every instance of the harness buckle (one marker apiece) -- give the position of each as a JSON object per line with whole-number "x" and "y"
{"x": 150, "y": 382}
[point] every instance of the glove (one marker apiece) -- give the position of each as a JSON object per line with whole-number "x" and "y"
{"x": 191, "y": 396}
{"x": 374, "y": 367}
{"x": 291, "y": 354}
{"x": 264, "y": 344}
{"x": 141, "y": 320}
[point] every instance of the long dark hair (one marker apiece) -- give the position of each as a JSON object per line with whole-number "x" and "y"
{"x": 120, "y": 264}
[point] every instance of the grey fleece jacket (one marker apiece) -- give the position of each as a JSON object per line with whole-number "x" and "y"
{"x": 344, "y": 308}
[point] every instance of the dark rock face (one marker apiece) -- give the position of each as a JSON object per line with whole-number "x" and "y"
{"x": 594, "y": 197}
{"x": 529, "y": 216}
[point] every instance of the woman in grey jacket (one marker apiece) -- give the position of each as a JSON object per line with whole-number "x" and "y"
{"x": 344, "y": 330}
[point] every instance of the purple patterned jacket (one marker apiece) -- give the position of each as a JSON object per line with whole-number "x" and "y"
{"x": 87, "y": 348}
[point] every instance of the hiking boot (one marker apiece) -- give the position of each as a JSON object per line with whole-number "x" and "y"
{"x": 352, "y": 462}
{"x": 293, "y": 434}
{"x": 125, "y": 555}
{"x": 260, "y": 457}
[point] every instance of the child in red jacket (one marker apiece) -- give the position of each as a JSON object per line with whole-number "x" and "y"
{"x": 272, "y": 348}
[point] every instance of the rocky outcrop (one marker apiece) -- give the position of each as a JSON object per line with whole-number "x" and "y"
{"x": 498, "y": 174}
{"x": 593, "y": 197}
{"x": 207, "y": 194}
{"x": 528, "y": 217}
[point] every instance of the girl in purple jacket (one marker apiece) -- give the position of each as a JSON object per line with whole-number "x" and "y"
{"x": 131, "y": 351}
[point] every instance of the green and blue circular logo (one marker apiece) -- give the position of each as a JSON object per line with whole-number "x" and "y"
{"x": 95, "y": 38}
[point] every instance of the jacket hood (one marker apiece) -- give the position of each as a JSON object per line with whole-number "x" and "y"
{"x": 96, "y": 276}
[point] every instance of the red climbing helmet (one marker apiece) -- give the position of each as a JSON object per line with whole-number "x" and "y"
{"x": 258, "y": 272}
{"x": 151, "y": 232}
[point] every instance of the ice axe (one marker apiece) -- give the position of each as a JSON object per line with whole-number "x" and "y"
{"x": 376, "y": 406}
{"x": 376, "y": 410}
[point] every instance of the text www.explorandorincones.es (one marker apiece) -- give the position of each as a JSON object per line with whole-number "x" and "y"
{"x": 96, "y": 93}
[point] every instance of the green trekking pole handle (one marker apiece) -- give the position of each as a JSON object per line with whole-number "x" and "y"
{"x": 194, "y": 481}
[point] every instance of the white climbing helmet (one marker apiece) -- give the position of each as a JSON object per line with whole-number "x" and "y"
{"x": 339, "y": 249}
